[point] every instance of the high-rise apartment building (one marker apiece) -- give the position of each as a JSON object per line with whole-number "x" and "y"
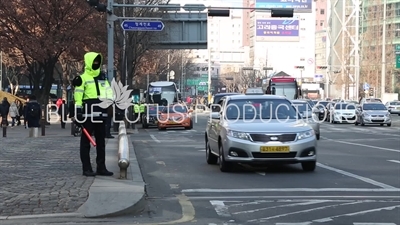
{"x": 320, "y": 14}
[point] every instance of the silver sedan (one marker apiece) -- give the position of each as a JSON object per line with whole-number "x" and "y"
{"x": 259, "y": 129}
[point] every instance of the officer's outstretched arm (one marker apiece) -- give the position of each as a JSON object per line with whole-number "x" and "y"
{"x": 79, "y": 90}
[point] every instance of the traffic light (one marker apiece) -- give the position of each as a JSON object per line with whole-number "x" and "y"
{"x": 322, "y": 67}
{"x": 96, "y": 4}
{"x": 299, "y": 67}
{"x": 371, "y": 92}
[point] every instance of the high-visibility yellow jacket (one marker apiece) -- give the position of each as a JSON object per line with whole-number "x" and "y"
{"x": 136, "y": 108}
{"x": 94, "y": 86}
{"x": 142, "y": 108}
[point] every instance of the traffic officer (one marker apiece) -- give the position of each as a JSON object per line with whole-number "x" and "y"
{"x": 90, "y": 87}
{"x": 136, "y": 110}
{"x": 142, "y": 108}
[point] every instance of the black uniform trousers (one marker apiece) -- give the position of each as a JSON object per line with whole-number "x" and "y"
{"x": 99, "y": 129}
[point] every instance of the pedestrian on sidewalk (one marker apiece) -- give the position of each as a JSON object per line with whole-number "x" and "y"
{"x": 5, "y": 105}
{"x": 24, "y": 113}
{"x": 20, "y": 111}
{"x": 33, "y": 112}
{"x": 13, "y": 113}
{"x": 90, "y": 87}
{"x": 63, "y": 113}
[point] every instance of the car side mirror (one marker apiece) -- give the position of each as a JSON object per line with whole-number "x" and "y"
{"x": 215, "y": 116}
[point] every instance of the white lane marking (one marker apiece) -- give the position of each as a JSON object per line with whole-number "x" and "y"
{"x": 300, "y": 197}
{"x": 326, "y": 219}
{"x": 161, "y": 163}
{"x": 312, "y": 202}
{"x": 374, "y": 224}
{"x": 154, "y": 138}
{"x": 203, "y": 150}
{"x": 250, "y": 203}
{"x": 260, "y": 173}
{"x": 220, "y": 208}
{"x": 263, "y": 220}
{"x": 253, "y": 190}
{"x": 366, "y": 180}
{"x": 361, "y": 145}
{"x": 394, "y": 161}
{"x": 305, "y": 223}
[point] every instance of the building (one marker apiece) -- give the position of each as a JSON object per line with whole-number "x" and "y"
{"x": 355, "y": 47}
{"x": 293, "y": 53}
{"x": 371, "y": 45}
{"x": 321, "y": 15}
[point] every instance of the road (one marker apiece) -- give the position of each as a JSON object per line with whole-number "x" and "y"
{"x": 357, "y": 181}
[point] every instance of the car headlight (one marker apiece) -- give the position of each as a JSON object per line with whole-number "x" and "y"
{"x": 237, "y": 134}
{"x": 387, "y": 114}
{"x": 305, "y": 135}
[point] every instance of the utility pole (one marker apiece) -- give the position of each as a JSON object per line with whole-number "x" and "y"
{"x": 383, "y": 69}
{"x": 124, "y": 58}
{"x": 1, "y": 70}
{"x": 182, "y": 73}
{"x": 168, "y": 72}
{"x": 110, "y": 39}
{"x": 209, "y": 73}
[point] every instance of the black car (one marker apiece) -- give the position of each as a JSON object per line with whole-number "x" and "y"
{"x": 324, "y": 111}
{"x": 150, "y": 117}
{"x": 216, "y": 99}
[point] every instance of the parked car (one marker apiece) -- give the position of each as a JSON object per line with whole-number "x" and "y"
{"x": 309, "y": 114}
{"x": 393, "y": 107}
{"x": 343, "y": 112}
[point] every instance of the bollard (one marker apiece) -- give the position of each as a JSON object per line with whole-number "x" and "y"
{"x": 43, "y": 120}
{"x": 34, "y": 132}
{"x": 123, "y": 151}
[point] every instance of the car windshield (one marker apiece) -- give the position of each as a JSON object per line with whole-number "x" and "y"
{"x": 344, "y": 106}
{"x": 303, "y": 107}
{"x": 260, "y": 109}
{"x": 175, "y": 109}
{"x": 395, "y": 103}
{"x": 374, "y": 107}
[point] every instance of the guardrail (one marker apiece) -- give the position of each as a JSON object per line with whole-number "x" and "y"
{"x": 123, "y": 151}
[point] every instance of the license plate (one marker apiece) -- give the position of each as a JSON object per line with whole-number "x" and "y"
{"x": 274, "y": 149}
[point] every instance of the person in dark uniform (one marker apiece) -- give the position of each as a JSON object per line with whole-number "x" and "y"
{"x": 90, "y": 87}
{"x": 63, "y": 112}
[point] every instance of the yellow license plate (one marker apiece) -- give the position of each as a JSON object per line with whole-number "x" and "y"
{"x": 274, "y": 149}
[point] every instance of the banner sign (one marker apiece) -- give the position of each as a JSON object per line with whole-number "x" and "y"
{"x": 277, "y": 30}
{"x": 298, "y": 5}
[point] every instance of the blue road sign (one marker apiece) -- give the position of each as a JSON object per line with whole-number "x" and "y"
{"x": 140, "y": 25}
{"x": 366, "y": 86}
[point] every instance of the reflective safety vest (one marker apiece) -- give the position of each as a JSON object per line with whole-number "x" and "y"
{"x": 136, "y": 108}
{"x": 142, "y": 108}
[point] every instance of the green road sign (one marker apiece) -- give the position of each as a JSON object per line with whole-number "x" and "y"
{"x": 397, "y": 61}
{"x": 397, "y": 47}
{"x": 200, "y": 83}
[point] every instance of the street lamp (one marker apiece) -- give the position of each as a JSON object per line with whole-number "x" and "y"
{"x": 383, "y": 70}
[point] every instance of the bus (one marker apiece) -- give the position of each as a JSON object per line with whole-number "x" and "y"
{"x": 285, "y": 86}
{"x": 158, "y": 92}
{"x": 25, "y": 90}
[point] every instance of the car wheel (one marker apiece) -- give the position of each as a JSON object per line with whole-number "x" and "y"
{"x": 190, "y": 127}
{"x": 356, "y": 123}
{"x": 144, "y": 125}
{"x": 210, "y": 157}
{"x": 162, "y": 128}
{"x": 309, "y": 166}
{"x": 223, "y": 165}
{"x": 389, "y": 124}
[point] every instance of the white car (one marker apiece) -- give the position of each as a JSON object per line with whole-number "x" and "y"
{"x": 343, "y": 112}
{"x": 393, "y": 107}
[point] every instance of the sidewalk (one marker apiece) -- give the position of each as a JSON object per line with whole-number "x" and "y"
{"x": 43, "y": 176}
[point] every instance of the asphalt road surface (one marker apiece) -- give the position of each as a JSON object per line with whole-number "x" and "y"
{"x": 357, "y": 181}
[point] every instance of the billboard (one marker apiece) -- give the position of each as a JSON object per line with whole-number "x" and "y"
{"x": 298, "y": 5}
{"x": 277, "y": 30}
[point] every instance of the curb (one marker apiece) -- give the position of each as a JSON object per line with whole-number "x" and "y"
{"x": 110, "y": 196}
{"x": 38, "y": 216}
